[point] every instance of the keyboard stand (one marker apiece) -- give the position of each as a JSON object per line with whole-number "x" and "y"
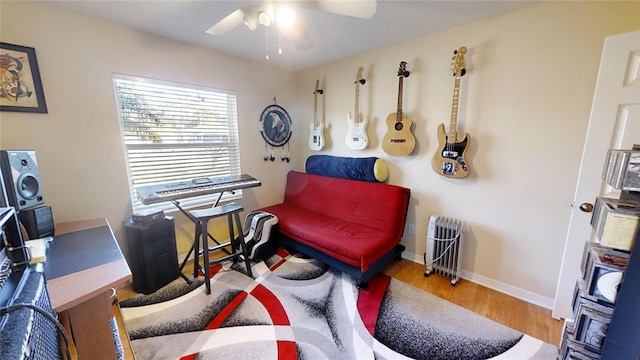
{"x": 176, "y": 203}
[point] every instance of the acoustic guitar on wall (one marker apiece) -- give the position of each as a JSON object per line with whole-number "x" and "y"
{"x": 356, "y": 138}
{"x": 450, "y": 160}
{"x": 316, "y": 137}
{"x": 399, "y": 141}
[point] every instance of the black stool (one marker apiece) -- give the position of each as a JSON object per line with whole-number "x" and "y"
{"x": 201, "y": 217}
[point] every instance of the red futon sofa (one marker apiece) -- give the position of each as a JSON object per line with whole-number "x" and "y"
{"x": 354, "y": 226}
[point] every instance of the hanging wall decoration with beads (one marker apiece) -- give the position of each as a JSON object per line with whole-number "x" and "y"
{"x": 275, "y": 128}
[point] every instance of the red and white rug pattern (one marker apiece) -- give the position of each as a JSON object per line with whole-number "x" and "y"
{"x": 297, "y": 308}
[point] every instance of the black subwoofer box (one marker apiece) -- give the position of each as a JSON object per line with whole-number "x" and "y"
{"x": 152, "y": 254}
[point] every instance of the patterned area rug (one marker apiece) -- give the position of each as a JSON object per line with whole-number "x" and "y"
{"x": 297, "y": 308}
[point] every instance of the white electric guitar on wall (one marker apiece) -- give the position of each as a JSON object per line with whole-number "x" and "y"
{"x": 356, "y": 138}
{"x": 316, "y": 138}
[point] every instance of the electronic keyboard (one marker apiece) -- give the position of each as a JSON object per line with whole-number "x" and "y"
{"x": 202, "y": 186}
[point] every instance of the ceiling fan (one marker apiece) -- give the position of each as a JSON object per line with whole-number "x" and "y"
{"x": 283, "y": 15}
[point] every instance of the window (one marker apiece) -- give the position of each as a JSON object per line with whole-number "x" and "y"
{"x": 174, "y": 132}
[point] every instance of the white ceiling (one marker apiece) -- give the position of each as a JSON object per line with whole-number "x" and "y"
{"x": 334, "y": 36}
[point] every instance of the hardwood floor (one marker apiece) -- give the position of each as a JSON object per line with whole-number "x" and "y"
{"x": 517, "y": 314}
{"x": 527, "y": 318}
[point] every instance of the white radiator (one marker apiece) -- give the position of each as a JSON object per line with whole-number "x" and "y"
{"x": 444, "y": 247}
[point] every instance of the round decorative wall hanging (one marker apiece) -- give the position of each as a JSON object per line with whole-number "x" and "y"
{"x": 275, "y": 128}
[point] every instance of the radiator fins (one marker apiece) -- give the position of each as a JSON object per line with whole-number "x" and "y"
{"x": 444, "y": 248}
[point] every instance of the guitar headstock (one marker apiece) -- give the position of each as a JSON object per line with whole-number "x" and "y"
{"x": 458, "y": 61}
{"x": 402, "y": 70}
{"x": 359, "y": 78}
{"x": 318, "y": 90}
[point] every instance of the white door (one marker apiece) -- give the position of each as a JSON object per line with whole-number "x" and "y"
{"x": 614, "y": 124}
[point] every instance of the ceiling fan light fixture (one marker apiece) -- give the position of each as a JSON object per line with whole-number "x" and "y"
{"x": 264, "y": 19}
{"x": 249, "y": 22}
{"x": 285, "y": 17}
{"x": 289, "y": 23}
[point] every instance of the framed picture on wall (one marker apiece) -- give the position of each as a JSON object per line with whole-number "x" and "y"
{"x": 20, "y": 84}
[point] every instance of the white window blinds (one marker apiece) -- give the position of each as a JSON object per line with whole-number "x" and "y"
{"x": 173, "y": 132}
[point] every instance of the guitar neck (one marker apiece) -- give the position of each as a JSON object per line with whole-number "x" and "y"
{"x": 315, "y": 109}
{"x": 317, "y": 91}
{"x": 453, "y": 125}
{"x": 399, "y": 112}
{"x": 356, "y": 111}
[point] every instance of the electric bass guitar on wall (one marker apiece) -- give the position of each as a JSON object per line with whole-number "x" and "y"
{"x": 316, "y": 138}
{"x": 450, "y": 160}
{"x": 356, "y": 138}
{"x": 399, "y": 141}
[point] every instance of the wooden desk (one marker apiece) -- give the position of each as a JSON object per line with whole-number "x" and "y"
{"x": 84, "y": 263}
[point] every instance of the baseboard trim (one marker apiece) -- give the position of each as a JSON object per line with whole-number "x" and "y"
{"x": 519, "y": 293}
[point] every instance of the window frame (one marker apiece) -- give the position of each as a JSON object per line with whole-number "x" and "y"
{"x": 213, "y": 145}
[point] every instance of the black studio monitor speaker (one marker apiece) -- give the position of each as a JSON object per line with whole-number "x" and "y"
{"x": 21, "y": 178}
{"x": 38, "y": 222}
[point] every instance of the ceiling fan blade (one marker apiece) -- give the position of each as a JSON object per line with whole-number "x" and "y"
{"x": 229, "y": 22}
{"x": 297, "y": 33}
{"x": 364, "y": 9}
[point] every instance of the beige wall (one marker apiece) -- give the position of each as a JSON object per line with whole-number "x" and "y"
{"x": 525, "y": 102}
{"x": 78, "y": 143}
